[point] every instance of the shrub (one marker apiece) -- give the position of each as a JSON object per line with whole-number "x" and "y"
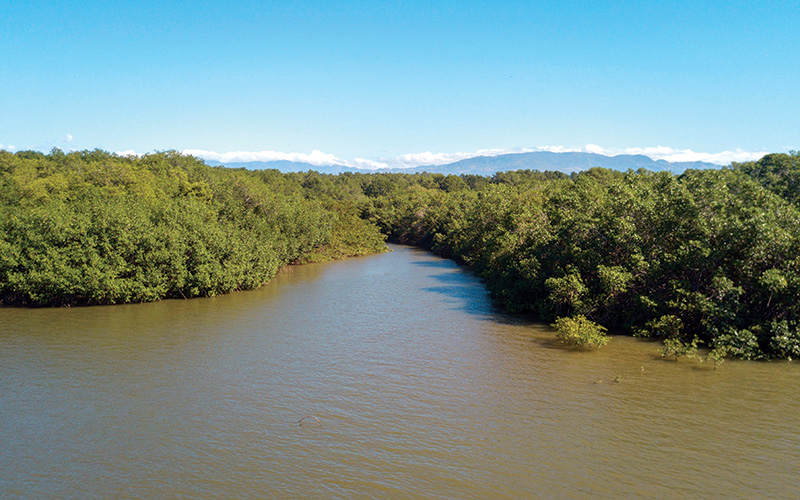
{"x": 676, "y": 347}
{"x": 785, "y": 339}
{"x": 578, "y": 331}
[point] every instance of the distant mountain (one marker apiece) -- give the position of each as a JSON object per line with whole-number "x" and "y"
{"x": 488, "y": 165}
{"x": 561, "y": 162}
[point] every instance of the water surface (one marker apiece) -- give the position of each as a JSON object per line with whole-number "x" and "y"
{"x": 408, "y": 384}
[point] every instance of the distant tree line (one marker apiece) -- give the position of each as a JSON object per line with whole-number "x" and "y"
{"x": 709, "y": 256}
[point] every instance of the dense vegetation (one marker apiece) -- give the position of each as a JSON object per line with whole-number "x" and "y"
{"x": 95, "y": 228}
{"x": 710, "y": 254}
{"x": 707, "y": 257}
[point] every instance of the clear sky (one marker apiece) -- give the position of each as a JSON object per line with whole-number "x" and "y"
{"x": 377, "y": 80}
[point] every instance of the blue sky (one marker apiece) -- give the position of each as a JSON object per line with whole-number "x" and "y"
{"x": 398, "y": 81}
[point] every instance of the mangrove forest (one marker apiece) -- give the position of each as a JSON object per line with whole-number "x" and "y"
{"x": 707, "y": 256}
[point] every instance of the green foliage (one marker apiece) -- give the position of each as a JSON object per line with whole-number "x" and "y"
{"x": 780, "y": 173}
{"x": 92, "y": 227}
{"x": 577, "y": 331}
{"x": 711, "y": 254}
{"x": 678, "y": 348}
{"x": 666, "y": 326}
{"x": 743, "y": 343}
{"x": 784, "y": 339}
{"x": 717, "y": 355}
{"x": 614, "y": 280}
{"x": 567, "y": 292}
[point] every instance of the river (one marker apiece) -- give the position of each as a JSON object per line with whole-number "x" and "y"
{"x": 388, "y": 376}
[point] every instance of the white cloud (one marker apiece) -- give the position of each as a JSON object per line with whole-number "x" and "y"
{"x": 427, "y": 158}
{"x": 316, "y": 157}
{"x": 367, "y": 164}
{"x": 129, "y": 152}
{"x": 682, "y": 155}
{"x": 320, "y": 158}
{"x": 594, "y": 148}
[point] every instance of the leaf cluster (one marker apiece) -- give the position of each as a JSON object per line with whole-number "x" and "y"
{"x": 577, "y": 331}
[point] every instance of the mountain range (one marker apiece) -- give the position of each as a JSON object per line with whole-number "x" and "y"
{"x": 489, "y": 165}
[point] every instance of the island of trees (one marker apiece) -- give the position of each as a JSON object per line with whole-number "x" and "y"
{"x": 710, "y": 256}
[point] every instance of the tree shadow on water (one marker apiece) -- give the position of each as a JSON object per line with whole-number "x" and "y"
{"x": 443, "y": 263}
{"x": 462, "y": 284}
{"x": 552, "y": 343}
{"x": 459, "y": 278}
{"x": 473, "y": 298}
{"x": 451, "y": 272}
{"x": 462, "y": 292}
{"x": 467, "y": 298}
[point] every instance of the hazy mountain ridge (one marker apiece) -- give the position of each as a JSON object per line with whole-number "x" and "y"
{"x": 488, "y": 165}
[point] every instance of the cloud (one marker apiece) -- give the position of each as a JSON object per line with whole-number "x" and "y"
{"x": 367, "y": 164}
{"x": 7, "y": 147}
{"x": 656, "y": 153}
{"x": 427, "y": 158}
{"x": 410, "y": 160}
{"x": 129, "y": 152}
{"x": 316, "y": 157}
{"x": 681, "y": 155}
{"x": 320, "y": 159}
{"x": 594, "y": 148}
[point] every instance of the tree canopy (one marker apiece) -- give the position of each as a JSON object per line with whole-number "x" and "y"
{"x": 712, "y": 255}
{"x": 95, "y": 228}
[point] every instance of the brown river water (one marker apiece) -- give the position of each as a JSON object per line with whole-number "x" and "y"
{"x": 408, "y": 384}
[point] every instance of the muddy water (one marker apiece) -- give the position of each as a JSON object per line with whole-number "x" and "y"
{"x": 408, "y": 385}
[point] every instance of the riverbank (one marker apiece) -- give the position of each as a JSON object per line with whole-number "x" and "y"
{"x": 422, "y": 389}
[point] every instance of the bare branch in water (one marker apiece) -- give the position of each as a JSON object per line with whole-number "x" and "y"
{"x": 319, "y": 422}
